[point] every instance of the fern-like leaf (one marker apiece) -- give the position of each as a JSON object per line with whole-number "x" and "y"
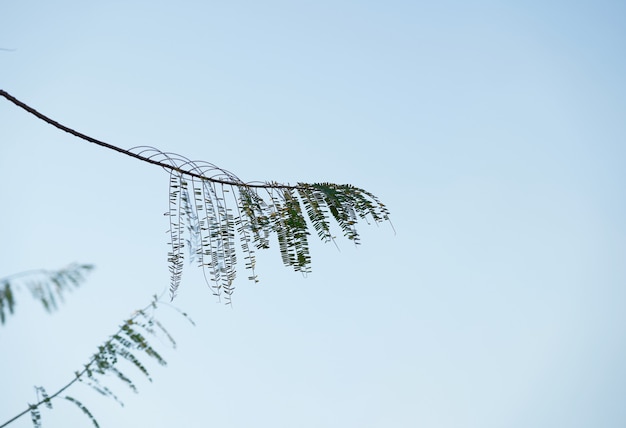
{"x": 84, "y": 409}
{"x": 213, "y": 221}
{"x": 35, "y": 416}
{"x": 223, "y": 209}
{"x": 44, "y": 395}
{"x": 46, "y": 286}
{"x": 130, "y": 343}
{"x": 7, "y": 301}
{"x": 176, "y": 215}
{"x": 314, "y": 205}
{"x": 101, "y": 389}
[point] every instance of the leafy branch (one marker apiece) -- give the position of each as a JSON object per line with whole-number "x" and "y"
{"x": 210, "y": 207}
{"x": 130, "y": 343}
{"x": 47, "y": 286}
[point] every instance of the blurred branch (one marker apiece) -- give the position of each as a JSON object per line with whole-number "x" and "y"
{"x": 46, "y": 286}
{"x": 125, "y": 344}
{"x": 210, "y": 207}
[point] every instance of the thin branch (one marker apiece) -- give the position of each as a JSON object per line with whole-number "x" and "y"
{"x": 283, "y": 214}
{"x": 44, "y": 272}
{"x": 87, "y": 367}
{"x": 233, "y": 182}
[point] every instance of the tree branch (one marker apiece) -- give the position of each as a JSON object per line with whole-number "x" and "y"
{"x": 94, "y": 359}
{"x": 164, "y": 165}
{"x": 199, "y": 208}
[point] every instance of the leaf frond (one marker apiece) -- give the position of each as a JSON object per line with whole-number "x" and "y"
{"x": 49, "y": 287}
{"x": 84, "y": 409}
{"x": 213, "y": 224}
{"x": 35, "y": 416}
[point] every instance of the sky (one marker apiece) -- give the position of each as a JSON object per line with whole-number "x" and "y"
{"x": 493, "y": 131}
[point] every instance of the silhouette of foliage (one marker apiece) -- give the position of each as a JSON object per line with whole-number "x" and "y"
{"x": 49, "y": 287}
{"x": 130, "y": 343}
{"x": 210, "y": 211}
{"x": 209, "y": 207}
{"x": 83, "y": 409}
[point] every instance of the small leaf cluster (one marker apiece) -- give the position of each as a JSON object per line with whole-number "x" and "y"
{"x": 48, "y": 287}
{"x": 131, "y": 343}
{"x": 35, "y": 413}
{"x": 209, "y": 216}
{"x": 210, "y": 209}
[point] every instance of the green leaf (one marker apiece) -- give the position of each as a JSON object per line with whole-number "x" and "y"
{"x": 6, "y": 301}
{"x": 84, "y": 409}
{"x": 35, "y": 416}
{"x": 44, "y": 395}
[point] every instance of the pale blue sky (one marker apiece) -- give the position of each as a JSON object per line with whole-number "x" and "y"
{"x": 494, "y": 132}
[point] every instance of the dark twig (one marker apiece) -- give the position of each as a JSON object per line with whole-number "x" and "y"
{"x": 80, "y": 374}
{"x": 232, "y": 182}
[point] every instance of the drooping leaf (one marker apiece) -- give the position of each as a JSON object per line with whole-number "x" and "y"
{"x": 44, "y": 395}
{"x": 84, "y": 409}
{"x": 7, "y": 302}
{"x": 94, "y": 383}
{"x": 35, "y": 416}
{"x": 176, "y": 215}
{"x": 214, "y": 222}
{"x": 46, "y": 286}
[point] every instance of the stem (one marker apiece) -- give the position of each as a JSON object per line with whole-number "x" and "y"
{"x": 80, "y": 374}
{"x": 135, "y": 155}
